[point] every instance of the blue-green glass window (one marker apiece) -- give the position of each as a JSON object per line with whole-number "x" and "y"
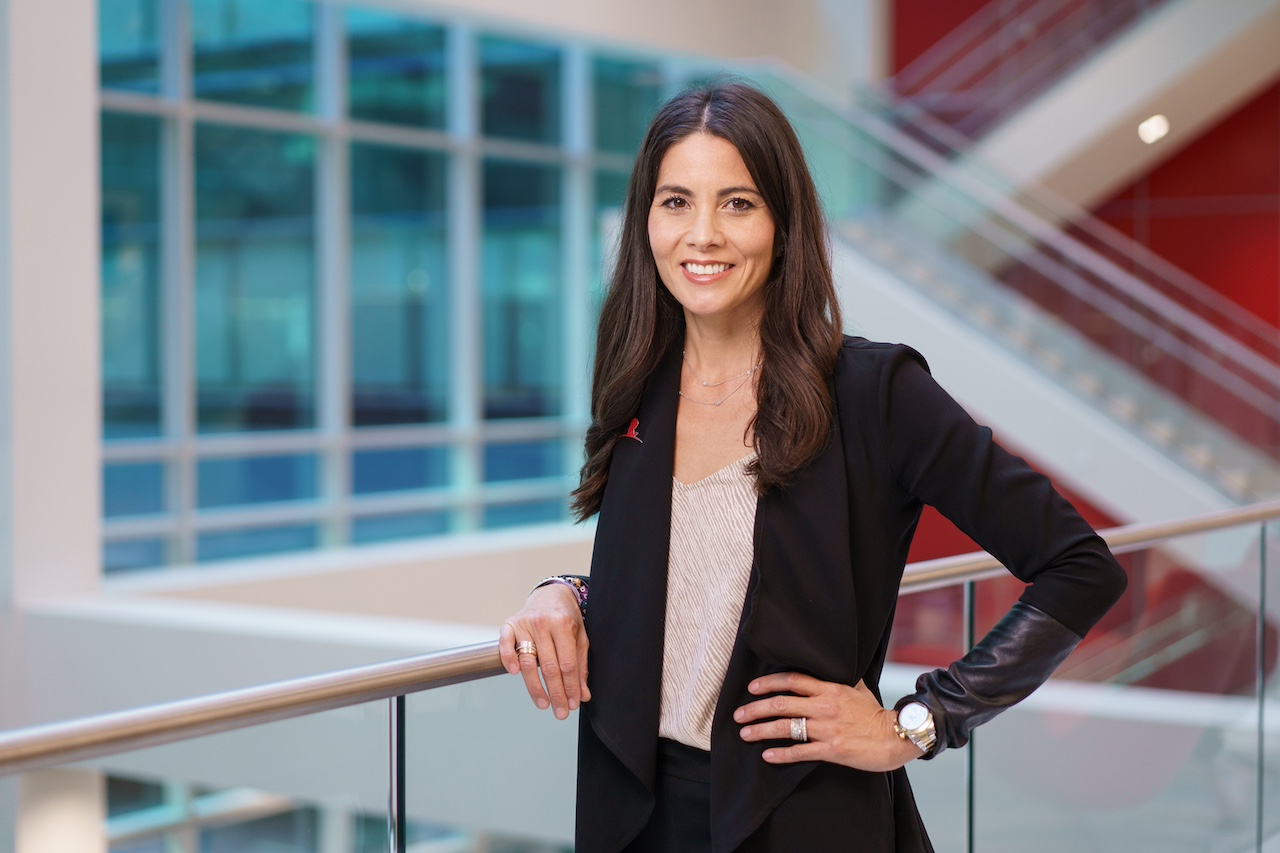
{"x": 399, "y": 469}
{"x": 130, "y": 275}
{"x": 132, "y": 488}
{"x": 122, "y": 555}
{"x": 610, "y": 198}
{"x": 229, "y": 544}
{"x": 519, "y": 90}
{"x": 626, "y": 96}
{"x": 255, "y": 480}
{"x": 129, "y": 45}
{"x": 521, "y": 290}
{"x": 126, "y": 795}
{"x": 530, "y": 512}
{"x": 255, "y": 308}
{"x": 296, "y": 831}
{"x": 399, "y": 286}
{"x": 404, "y": 525}
{"x": 523, "y": 460}
{"x": 253, "y": 53}
{"x": 395, "y": 69}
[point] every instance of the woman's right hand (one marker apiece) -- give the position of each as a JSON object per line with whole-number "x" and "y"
{"x": 551, "y": 619}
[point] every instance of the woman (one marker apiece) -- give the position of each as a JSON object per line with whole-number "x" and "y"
{"x": 758, "y": 478}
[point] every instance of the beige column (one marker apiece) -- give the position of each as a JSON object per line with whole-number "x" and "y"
{"x": 60, "y": 811}
{"x": 49, "y": 410}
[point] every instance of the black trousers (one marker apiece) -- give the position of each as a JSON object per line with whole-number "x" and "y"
{"x": 681, "y": 820}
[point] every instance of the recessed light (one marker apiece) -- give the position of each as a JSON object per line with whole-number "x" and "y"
{"x": 1153, "y": 129}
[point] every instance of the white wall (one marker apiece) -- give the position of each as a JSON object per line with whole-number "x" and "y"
{"x": 838, "y": 42}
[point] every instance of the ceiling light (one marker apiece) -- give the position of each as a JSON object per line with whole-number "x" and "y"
{"x": 1153, "y": 129}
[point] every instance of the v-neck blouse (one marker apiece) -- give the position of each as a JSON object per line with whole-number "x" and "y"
{"x": 708, "y": 568}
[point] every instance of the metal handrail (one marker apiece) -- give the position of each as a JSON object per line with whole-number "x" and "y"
{"x": 107, "y": 734}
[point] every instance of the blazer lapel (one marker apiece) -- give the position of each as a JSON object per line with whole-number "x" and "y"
{"x": 629, "y": 580}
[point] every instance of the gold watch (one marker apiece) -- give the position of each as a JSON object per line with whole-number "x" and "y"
{"x": 915, "y": 723}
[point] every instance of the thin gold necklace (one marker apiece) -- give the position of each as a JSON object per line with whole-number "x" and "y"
{"x": 726, "y": 396}
{"x": 705, "y": 384}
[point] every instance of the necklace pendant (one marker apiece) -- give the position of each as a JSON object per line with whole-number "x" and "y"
{"x": 705, "y": 383}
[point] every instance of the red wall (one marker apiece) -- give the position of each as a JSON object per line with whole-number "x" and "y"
{"x": 1213, "y": 208}
{"x": 918, "y": 24}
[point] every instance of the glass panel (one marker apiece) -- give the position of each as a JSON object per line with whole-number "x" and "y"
{"x": 626, "y": 96}
{"x": 256, "y": 479}
{"x": 129, "y": 45}
{"x": 395, "y": 69}
{"x": 120, "y": 555}
{"x": 610, "y": 199}
{"x": 523, "y": 460}
{"x": 265, "y": 789}
{"x": 454, "y": 781}
{"x": 399, "y": 286}
{"x": 255, "y": 541}
{"x": 519, "y": 90}
{"x": 401, "y": 469}
{"x": 130, "y": 275}
{"x": 404, "y": 525}
{"x": 929, "y": 631}
{"x": 134, "y": 488}
{"x": 253, "y": 53}
{"x": 521, "y": 284}
{"x": 1147, "y": 737}
{"x": 254, "y": 279}
{"x": 530, "y": 512}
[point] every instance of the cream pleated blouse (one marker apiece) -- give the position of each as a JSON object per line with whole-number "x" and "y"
{"x": 712, "y": 527}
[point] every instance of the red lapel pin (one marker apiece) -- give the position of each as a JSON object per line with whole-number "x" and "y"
{"x": 631, "y": 431}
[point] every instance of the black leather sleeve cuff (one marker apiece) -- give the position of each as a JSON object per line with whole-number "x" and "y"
{"x": 1017, "y": 656}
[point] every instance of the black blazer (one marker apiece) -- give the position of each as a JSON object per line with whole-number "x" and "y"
{"x": 829, "y": 555}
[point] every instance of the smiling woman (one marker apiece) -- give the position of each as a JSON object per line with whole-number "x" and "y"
{"x": 758, "y": 479}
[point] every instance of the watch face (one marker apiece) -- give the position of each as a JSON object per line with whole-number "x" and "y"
{"x": 913, "y": 716}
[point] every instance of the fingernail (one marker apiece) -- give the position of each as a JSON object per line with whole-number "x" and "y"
{"x": 746, "y": 732}
{"x": 739, "y": 714}
{"x": 541, "y": 703}
{"x": 768, "y": 754}
{"x": 753, "y": 686}
{"x": 573, "y": 704}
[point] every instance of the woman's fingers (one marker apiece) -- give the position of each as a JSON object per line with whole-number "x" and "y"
{"x": 554, "y": 674}
{"x": 786, "y": 682}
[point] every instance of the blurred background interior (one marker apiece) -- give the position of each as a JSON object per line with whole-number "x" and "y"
{"x": 297, "y": 303}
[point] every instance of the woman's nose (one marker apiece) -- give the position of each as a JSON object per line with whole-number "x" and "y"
{"x": 704, "y": 230}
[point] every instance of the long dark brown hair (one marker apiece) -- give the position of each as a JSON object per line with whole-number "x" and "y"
{"x": 800, "y": 327}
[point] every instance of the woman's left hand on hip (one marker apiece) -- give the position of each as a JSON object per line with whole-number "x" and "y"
{"x": 845, "y": 725}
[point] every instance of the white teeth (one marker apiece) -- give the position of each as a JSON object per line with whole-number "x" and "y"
{"x": 706, "y": 269}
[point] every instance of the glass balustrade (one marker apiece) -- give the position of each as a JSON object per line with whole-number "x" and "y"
{"x": 306, "y": 785}
{"x": 1149, "y": 737}
{"x": 490, "y": 769}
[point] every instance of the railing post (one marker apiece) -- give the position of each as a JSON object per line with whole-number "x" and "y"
{"x": 970, "y": 609}
{"x": 395, "y": 811}
{"x": 1260, "y": 687}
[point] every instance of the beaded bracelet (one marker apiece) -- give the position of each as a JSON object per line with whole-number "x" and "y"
{"x": 575, "y": 583}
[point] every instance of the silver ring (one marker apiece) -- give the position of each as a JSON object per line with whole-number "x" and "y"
{"x": 800, "y": 729}
{"x": 526, "y": 647}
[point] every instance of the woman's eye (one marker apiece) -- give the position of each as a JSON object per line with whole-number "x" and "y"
{"x": 739, "y": 204}
{"x": 675, "y": 203}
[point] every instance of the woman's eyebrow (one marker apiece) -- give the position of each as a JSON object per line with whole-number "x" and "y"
{"x": 727, "y": 191}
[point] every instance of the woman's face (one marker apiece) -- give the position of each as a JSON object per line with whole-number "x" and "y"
{"x": 710, "y": 232}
